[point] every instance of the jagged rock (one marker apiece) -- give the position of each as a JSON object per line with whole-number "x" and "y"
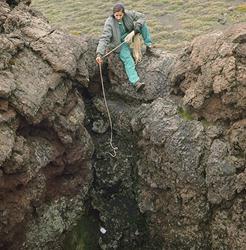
{"x": 99, "y": 126}
{"x": 171, "y": 172}
{"x": 7, "y": 84}
{"x": 7, "y": 138}
{"x": 4, "y": 10}
{"x": 52, "y": 223}
{"x": 90, "y": 56}
{"x": 182, "y": 174}
{"x": 211, "y": 74}
{"x": 175, "y": 182}
{"x": 221, "y": 173}
{"x": 229, "y": 222}
{"x": 45, "y": 148}
{"x": 13, "y": 3}
{"x": 153, "y": 71}
{"x": 188, "y": 171}
{"x": 237, "y": 136}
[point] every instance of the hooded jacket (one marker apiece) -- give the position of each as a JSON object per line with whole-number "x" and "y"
{"x": 110, "y": 37}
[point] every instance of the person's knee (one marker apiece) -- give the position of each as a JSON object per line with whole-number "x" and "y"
{"x": 126, "y": 57}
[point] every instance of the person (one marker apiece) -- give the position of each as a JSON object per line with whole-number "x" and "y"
{"x": 120, "y": 27}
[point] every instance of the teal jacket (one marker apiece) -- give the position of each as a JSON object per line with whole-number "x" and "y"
{"x": 110, "y": 37}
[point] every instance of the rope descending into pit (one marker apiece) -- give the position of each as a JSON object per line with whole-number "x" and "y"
{"x": 109, "y": 117}
{"x": 138, "y": 57}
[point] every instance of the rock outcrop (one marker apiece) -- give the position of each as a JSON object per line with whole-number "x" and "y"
{"x": 178, "y": 178}
{"x": 211, "y": 72}
{"x": 188, "y": 160}
{"x": 45, "y": 170}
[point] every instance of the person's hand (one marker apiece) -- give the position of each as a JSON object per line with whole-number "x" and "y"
{"x": 99, "y": 59}
{"x": 129, "y": 37}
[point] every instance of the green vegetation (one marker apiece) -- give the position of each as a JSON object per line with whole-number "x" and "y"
{"x": 84, "y": 236}
{"x": 172, "y": 23}
{"x": 184, "y": 114}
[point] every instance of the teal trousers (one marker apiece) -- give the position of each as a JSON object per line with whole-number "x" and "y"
{"x": 127, "y": 58}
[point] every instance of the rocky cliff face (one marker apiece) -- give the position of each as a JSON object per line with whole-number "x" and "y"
{"x": 188, "y": 136}
{"x": 210, "y": 75}
{"x": 45, "y": 149}
{"x": 178, "y": 179}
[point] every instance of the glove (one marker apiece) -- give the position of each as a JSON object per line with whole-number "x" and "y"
{"x": 99, "y": 59}
{"x": 129, "y": 37}
{"x": 137, "y": 28}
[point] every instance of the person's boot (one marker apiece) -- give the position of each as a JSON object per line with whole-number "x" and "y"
{"x": 139, "y": 86}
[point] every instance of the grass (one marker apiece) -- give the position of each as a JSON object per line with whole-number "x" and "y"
{"x": 185, "y": 114}
{"x": 241, "y": 8}
{"x": 172, "y": 23}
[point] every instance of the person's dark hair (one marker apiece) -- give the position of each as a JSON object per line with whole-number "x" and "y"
{"x": 119, "y": 7}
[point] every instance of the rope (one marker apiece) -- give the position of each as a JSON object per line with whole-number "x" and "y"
{"x": 106, "y": 104}
{"x": 113, "y": 49}
{"x": 138, "y": 57}
{"x": 109, "y": 117}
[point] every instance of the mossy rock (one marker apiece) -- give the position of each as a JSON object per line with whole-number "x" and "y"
{"x": 84, "y": 236}
{"x": 185, "y": 114}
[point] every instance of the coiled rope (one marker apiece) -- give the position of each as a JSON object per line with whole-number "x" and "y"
{"x": 137, "y": 56}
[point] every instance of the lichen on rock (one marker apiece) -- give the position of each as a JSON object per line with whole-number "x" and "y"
{"x": 178, "y": 178}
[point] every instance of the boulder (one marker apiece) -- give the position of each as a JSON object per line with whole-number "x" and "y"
{"x": 210, "y": 74}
